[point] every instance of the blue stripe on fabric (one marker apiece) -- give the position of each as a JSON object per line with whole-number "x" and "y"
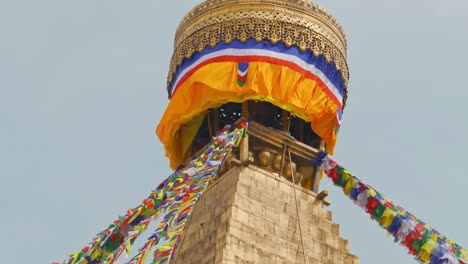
{"x": 243, "y": 66}
{"x": 328, "y": 69}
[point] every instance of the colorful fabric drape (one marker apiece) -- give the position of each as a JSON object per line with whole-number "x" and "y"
{"x": 422, "y": 241}
{"x": 171, "y": 202}
{"x": 306, "y": 85}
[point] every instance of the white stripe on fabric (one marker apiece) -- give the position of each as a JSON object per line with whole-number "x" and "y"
{"x": 242, "y": 73}
{"x": 339, "y": 120}
{"x": 264, "y": 53}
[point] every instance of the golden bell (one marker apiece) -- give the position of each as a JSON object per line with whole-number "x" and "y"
{"x": 298, "y": 177}
{"x": 276, "y": 164}
{"x": 264, "y": 158}
{"x": 307, "y": 171}
{"x": 289, "y": 169}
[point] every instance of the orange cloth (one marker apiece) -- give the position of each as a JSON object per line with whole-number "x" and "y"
{"x": 216, "y": 84}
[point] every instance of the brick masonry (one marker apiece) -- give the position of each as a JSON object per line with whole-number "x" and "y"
{"x": 249, "y": 216}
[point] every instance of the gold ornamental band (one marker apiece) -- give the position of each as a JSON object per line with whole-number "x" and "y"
{"x": 295, "y": 23}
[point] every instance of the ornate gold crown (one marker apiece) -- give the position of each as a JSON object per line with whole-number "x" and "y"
{"x": 293, "y": 22}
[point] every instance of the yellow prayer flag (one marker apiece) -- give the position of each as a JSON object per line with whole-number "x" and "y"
{"x": 387, "y": 217}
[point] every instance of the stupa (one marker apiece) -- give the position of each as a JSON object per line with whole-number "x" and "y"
{"x": 282, "y": 65}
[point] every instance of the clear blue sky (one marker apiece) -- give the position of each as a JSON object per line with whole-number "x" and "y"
{"x": 82, "y": 88}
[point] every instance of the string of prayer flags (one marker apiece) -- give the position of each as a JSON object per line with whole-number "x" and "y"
{"x": 422, "y": 241}
{"x": 172, "y": 202}
{"x": 200, "y": 171}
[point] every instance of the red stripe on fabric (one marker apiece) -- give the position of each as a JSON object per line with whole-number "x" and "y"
{"x": 272, "y": 60}
{"x": 242, "y": 78}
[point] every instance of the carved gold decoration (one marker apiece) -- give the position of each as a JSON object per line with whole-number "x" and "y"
{"x": 293, "y": 22}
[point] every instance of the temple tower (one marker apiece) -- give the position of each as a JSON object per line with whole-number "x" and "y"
{"x": 281, "y": 64}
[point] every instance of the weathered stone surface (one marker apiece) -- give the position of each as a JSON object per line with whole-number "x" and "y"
{"x": 249, "y": 216}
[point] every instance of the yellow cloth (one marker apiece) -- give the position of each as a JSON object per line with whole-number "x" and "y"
{"x": 216, "y": 84}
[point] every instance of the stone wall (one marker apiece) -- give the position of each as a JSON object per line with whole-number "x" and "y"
{"x": 249, "y": 216}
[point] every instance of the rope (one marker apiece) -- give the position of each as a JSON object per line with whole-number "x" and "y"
{"x": 297, "y": 208}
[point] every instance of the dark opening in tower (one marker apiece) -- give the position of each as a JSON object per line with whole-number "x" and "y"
{"x": 263, "y": 113}
{"x": 274, "y": 122}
